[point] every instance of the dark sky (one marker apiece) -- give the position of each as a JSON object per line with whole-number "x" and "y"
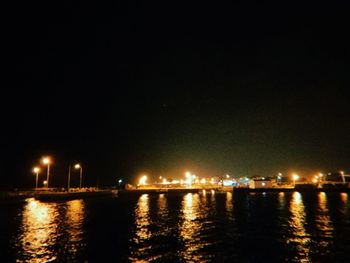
{"x": 243, "y": 89}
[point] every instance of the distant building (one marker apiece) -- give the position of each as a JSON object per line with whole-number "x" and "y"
{"x": 334, "y": 178}
{"x": 261, "y": 183}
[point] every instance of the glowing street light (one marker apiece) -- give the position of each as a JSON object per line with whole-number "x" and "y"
{"x": 143, "y": 180}
{"x": 36, "y": 171}
{"x": 79, "y": 167}
{"x": 47, "y": 161}
{"x": 165, "y": 181}
{"x": 279, "y": 177}
{"x": 295, "y": 178}
{"x": 320, "y": 176}
{"x": 189, "y": 178}
{"x": 45, "y": 183}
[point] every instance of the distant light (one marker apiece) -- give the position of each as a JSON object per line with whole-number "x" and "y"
{"x": 120, "y": 181}
{"x": 315, "y": 180}
{"x": 36, "y": 170}
{"x": 160, "y": 177}
{"x": 203, "y": 181}
{"x": 295, "y": 177}
{"x": 77, "y": 166}
{"x": 227, "y": 176}
{"x": 263, "y": 184}
{"x": 143, "y": 180}
{"x": 228, "y": 182}
{"x": 46, "y": 160}
{"x": 45, "y": 182}
{"x": 263, "y": 178}
{"x": 165, "y": 181}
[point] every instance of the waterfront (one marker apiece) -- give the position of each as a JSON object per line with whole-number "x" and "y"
{"x": 189, "y": 227}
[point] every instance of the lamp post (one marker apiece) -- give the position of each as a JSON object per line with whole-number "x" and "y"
{"x": 36, "y": 170}
{"x": 78, "y": 166}
{"x": 47, "y": 161}
{"x": 342, "y": 176}
{"x": 68, "y": 185}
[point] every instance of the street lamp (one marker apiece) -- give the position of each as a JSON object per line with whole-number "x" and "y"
{"x": 47, "y": 161}
{"x": 79, "y": 167}
{"x": 342, "y": 176}
{"x": 36, "y": 170}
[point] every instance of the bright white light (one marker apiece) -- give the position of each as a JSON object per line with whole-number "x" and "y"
{"x": 165, "y": 181}
{"x": 143, "y": 180}
{"x": 227, "y": 182}
{"x": 46, "y": 160}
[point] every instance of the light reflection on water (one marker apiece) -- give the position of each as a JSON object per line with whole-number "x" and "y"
{"x": 344, "y": 206}
{"x": 39, "y": 232}
{"x": 142, "y": 219}
{"x": 75, "y": 216}
{"x": 140, "y": 250}
{"x": 191, "y": 228}
{"x": 229, "y": 206}
{"x": 300, "y": 238}
{"x": 324, "y": 224}
{"x": 43, "y": 232}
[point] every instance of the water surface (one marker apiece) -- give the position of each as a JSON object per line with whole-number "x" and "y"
{"x": 204, "y": 227}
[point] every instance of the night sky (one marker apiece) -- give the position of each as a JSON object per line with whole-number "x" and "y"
{"x": 244, "y": 89}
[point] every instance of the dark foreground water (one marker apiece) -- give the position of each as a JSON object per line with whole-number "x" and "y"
{"x": 205, "y": 227}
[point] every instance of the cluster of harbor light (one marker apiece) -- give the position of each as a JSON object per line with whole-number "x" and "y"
{"x": 189, "y": 180}
{"x": 47, "y": 161}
